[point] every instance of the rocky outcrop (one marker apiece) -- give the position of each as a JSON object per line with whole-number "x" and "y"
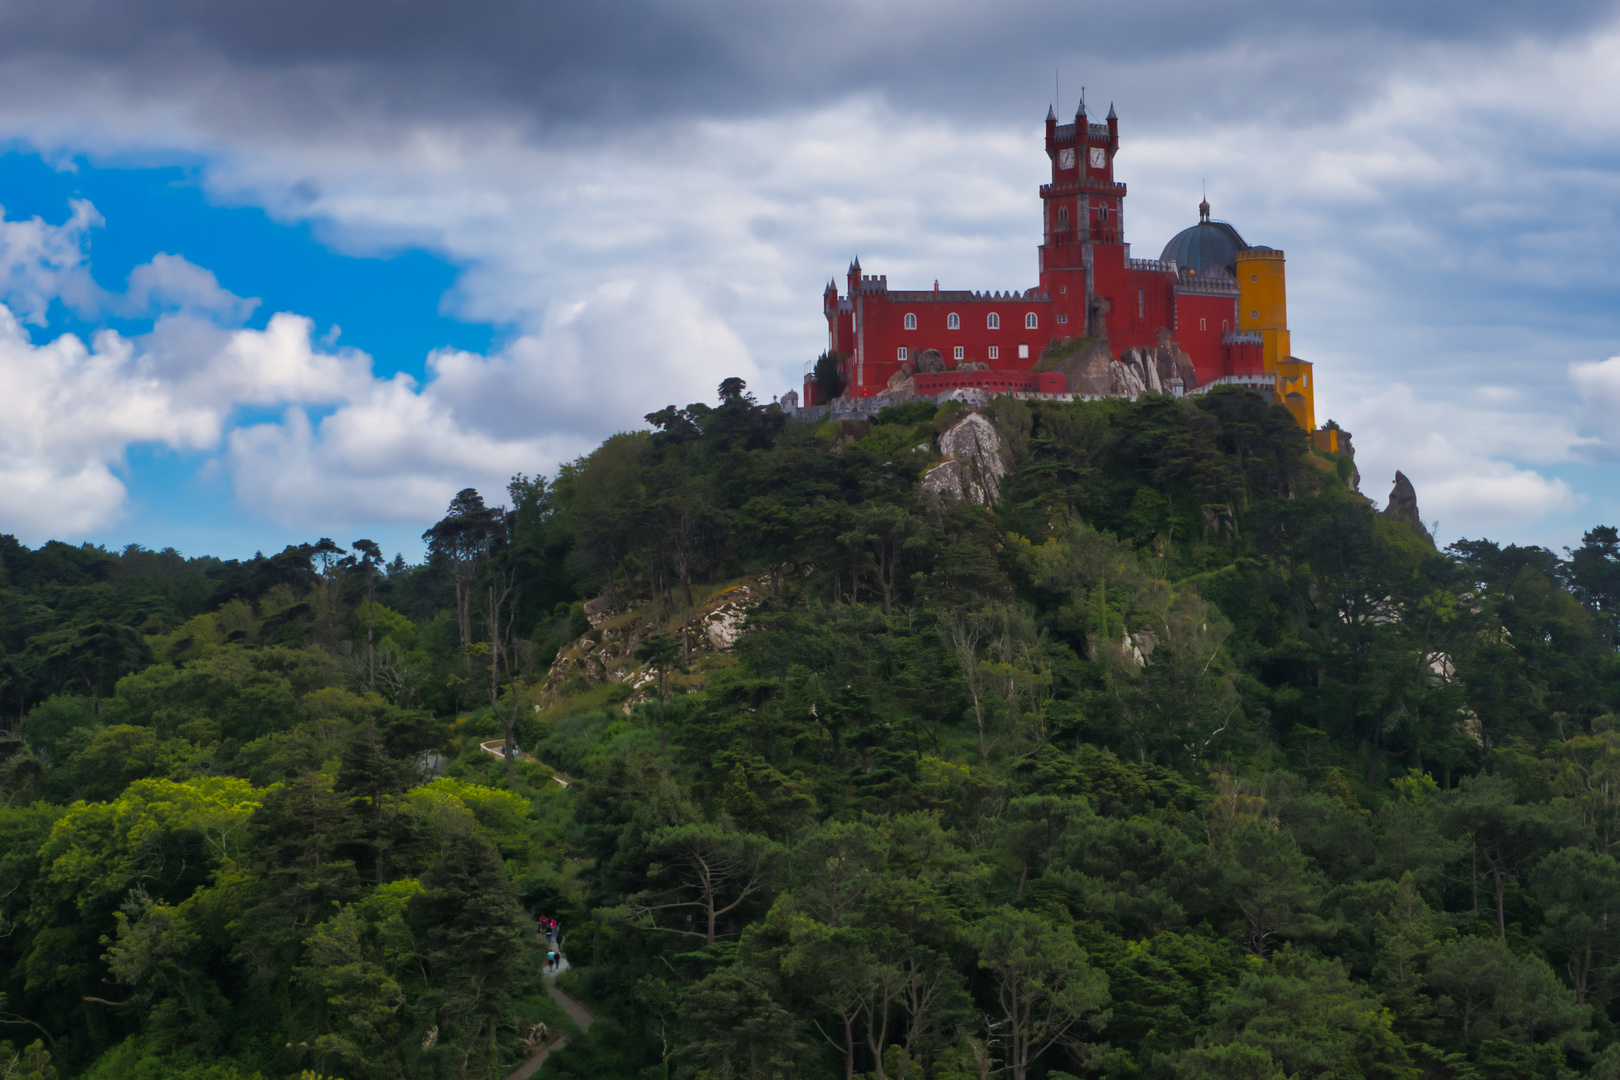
{"x": 1093, "y": 371}
{"x": 900, "y": 378}
{"x": 1403, "y": 504}
{"x": 1164, "y": 369}
{"x": 975, "y": 460}
{"x": 972, "y": 365}
{"x": 1086, "y": 368}
{"x": 606, "y": 652}
{"x": 930, "y": 360}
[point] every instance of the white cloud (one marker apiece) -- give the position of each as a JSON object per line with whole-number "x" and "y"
{"x": 172, "y": 282}
{"x": 1598, "y": 384}
{"x": 396, "y": 450}
{"x": 40, "y": 263}
{"x": 67, "y": 415}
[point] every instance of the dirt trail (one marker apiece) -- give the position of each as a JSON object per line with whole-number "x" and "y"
{"x": 577, "y": 1012}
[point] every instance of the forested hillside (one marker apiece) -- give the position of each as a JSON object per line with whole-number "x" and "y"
{"x": 1178, "y": 760}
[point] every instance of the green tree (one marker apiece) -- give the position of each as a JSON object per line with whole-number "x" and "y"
{"x": 1271, "y": 882}
{"x": 704, "y": 872}
{"x": 1045, "y": 987}
{"x": 735, "y": 1025}
{"x": 1505, "y": 834}
{"x": 1487, "y": 992}
{"x": 1298, "y": 1016}
{"x": 828, "y": 375}
{"x": 1580, "y": 897}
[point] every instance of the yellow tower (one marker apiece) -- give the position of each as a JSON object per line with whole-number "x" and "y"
{"x": 1263, "y": 309}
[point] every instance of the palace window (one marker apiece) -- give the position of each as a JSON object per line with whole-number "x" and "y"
{"x": 1224, "y": 326}
{"x": 995, "y": 353}
{"x": 911, "y": 321}
{"x": 1062, "y": 319}
{"x": 953, "y": 321}
{"x": 1023, "y": 352}
{"x": 1063, "y": 217}
{"x": 1254, "y": 314}
{"x": 1102, "y": 213}
{"x": 992, "y": 321}
{"x": 901, "y": 353}
{"x": 1031, "y": 322}
{"x": 1201, "y": 325}
{"x": 959, "y": 352}
{"x": 1141, "y": 303}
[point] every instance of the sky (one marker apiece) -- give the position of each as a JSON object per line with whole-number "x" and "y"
{"x": 276, "y": 272}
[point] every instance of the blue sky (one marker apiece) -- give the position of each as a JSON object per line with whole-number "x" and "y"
{"x": 386, "y": 303}
{"x": 532, "y": 225}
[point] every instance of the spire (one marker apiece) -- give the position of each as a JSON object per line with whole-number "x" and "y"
{"x": 1051, "y": 114}
{"x": 1111, "y": 114}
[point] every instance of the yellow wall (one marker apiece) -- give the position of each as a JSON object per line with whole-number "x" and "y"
{"x": 1263, "y": 300}
{"x": 1296, "y": 389}
{"x": 1263, "y": 308}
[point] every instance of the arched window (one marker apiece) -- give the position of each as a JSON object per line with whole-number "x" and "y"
{"x": 1201, "y": 325}
{"x": 1063, "y": 217}
{"x": 992, "y": 321}
{"x": 1031, "y": 322}
{"x": 953, "y": 321}
{"x": 911, "y": 321}
{"x": 901, "y": 353}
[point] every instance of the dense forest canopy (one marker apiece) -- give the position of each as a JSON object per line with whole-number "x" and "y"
{"x": 1175, "y": 760}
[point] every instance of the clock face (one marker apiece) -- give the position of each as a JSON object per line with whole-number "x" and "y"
{"x": 1066, "y": 158}
{"x": 1099, "y": 158}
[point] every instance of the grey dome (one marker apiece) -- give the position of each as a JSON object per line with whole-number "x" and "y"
{"x": 1206, "y": 247}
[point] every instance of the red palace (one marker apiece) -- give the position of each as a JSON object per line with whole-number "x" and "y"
{"x": 1219, "y": 299}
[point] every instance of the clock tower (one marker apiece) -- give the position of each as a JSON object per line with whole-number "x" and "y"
{"x": 1083, "y": 210}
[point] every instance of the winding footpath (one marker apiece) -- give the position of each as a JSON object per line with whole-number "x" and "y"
{"x": 577, "y": 1012}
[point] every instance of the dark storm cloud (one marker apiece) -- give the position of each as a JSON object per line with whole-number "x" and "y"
{"x": 302, "y": 64}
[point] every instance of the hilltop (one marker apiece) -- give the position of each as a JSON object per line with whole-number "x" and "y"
{"x": 1119, "y": 738}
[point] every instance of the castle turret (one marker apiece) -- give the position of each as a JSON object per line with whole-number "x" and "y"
{"x": 1113, "y": 128}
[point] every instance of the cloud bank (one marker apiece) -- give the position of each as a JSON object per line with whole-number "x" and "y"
{"x": 347, "y": 447}
{"x": 647, "y": 198}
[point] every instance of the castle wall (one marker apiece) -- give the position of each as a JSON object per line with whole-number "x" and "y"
{"x": 880, "y": 332}
{"x": 1201, "y": 320}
